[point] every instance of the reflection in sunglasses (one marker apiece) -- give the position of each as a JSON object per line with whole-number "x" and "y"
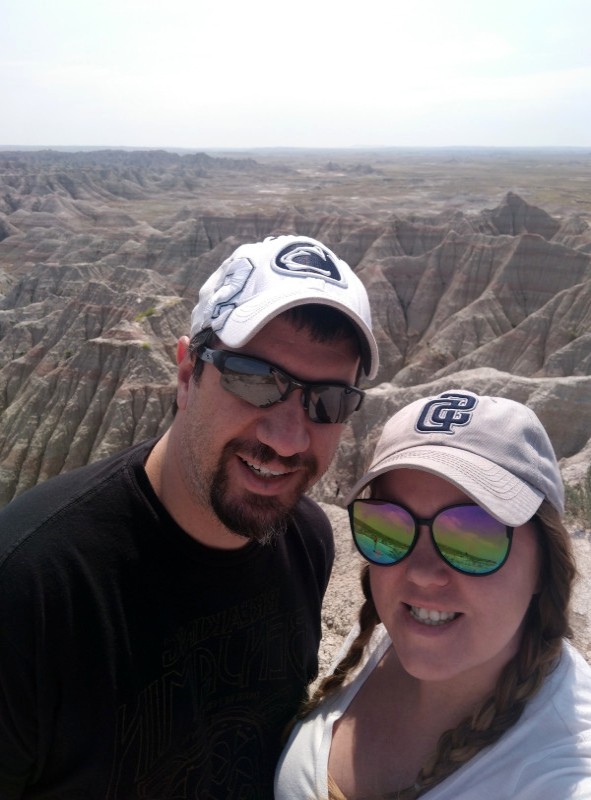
{"x": 465, "y": 536}
{"x": 262, "y": 384}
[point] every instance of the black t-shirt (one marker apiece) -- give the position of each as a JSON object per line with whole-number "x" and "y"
{"x": 134, "y": 661}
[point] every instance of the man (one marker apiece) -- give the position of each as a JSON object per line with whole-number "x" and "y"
{"x": 160, "y": 610}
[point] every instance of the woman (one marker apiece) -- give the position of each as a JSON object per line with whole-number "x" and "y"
{"x": 458, "y": 682}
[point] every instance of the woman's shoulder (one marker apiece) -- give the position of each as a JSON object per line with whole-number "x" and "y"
{"x": 546, "y": 755}
{"x": 564, "y": 700}
{"x": 572, "y": 674}
{"x": 576, "y": 663}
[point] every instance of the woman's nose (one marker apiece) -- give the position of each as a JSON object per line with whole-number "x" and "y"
{"x": 424, "y": 566}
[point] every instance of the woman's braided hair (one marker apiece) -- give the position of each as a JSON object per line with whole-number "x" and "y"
{"x": 546, "y": 625}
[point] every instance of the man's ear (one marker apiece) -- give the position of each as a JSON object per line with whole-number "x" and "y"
{"x": 184, "y": 371}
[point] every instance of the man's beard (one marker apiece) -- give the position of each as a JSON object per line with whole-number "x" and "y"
{"x": 255, "y": 516}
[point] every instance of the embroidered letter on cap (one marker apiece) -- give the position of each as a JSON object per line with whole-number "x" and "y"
{"x": 446, "y": 411}
{"x": 304, "y": 260}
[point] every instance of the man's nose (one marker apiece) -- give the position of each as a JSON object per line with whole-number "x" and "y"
{"x": 285, "y": 426}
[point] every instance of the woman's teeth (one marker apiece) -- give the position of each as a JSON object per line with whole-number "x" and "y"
{"x": 429, "y": 616}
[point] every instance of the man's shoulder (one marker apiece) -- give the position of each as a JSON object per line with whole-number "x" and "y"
{"x": 314, "y": 529}
{"x": 71, "y": 498}
{"x": 308, "y": 513}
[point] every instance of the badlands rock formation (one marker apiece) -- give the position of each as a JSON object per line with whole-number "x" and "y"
{"x": 102, "y": 255}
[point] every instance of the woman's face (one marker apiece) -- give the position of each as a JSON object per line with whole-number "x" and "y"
{"x": 476, "y": 622}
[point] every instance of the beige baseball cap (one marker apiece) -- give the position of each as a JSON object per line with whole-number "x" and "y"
{"x": 494, "y": 449}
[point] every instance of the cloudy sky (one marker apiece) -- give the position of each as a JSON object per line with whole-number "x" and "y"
{"x": 209, "y": 74}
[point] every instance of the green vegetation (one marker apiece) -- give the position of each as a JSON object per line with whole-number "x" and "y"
{"x": 148, "y": 312}
{"x": 578, "y": 501}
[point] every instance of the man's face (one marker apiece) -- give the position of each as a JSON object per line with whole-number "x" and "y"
{"x": 250, "y": 465}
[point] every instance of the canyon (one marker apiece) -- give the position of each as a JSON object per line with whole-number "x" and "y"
{"x": 477, "y": 265}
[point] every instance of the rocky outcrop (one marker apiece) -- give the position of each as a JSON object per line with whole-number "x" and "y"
{"x": 514, "y": 216}
{"x": 87, "y": 366}
{"x": 102, "y": 255}
{"x": 451, "y": 304}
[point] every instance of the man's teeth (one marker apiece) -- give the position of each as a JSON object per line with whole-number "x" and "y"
{"x": 429, "y": 616}
{"x": 263, "y": 471}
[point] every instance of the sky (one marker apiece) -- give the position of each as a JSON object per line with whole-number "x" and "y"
{"x": 206, "y": 74}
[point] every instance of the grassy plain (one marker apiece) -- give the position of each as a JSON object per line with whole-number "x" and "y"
{"x": 426, "y": 181}
{"x": 377, "y": 184}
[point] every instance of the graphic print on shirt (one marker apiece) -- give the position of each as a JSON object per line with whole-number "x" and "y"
{"x": 218, "y": 685}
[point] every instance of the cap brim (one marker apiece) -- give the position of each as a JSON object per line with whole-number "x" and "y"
{"x": 251, "y": 317}
{"x": 509, "y": 499}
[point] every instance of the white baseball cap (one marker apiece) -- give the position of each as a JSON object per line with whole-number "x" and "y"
{"x": 261, "y": 280}
{"x": 494, "y": 449}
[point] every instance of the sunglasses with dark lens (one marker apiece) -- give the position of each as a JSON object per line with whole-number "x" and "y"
{"x": 262, "y": 384}
{"x": 465, "y": 536}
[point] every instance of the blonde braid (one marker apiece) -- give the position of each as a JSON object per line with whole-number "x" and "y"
{"x": 368, "y": 619}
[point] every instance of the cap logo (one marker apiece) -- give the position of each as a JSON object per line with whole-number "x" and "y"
{"x": 304, "y": 260}
{"x": 226, "y": 297}
{"x": 445, "y": 412}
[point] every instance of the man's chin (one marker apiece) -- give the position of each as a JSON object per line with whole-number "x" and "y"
{"x": 247, "y": 513}
{"x": 262, "y": 519}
